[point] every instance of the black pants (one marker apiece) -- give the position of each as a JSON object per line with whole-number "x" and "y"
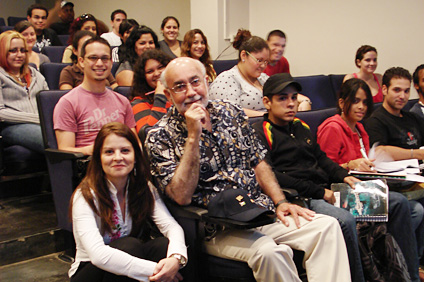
{"x": 153, "y": 250}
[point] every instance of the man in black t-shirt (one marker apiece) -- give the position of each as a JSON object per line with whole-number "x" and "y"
{"x": 399, "y": 133}
{"x": 37, "y": 15}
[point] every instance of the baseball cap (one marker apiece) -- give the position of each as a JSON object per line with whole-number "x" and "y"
{"x": 64, "y": 3}
{"x": 277, "y": 82}
{"x": 235, "y": 204}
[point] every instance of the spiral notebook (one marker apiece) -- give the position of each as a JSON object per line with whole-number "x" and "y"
{"x": 369, "y": 201}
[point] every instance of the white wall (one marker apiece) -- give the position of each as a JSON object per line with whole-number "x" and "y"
{"x": 14, "y": 8}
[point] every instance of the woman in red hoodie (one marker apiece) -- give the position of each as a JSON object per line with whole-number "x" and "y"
{"x": 342, "y": 137}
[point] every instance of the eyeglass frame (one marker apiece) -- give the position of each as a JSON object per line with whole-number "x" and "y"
{"x": 186, "y": 85}
{"x": 94, "y": 59}
{"x": 16, "y": 50}
{"x": 256, "y": 60}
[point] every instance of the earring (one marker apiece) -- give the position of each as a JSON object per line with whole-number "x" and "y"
{"x": 135, "y": 172}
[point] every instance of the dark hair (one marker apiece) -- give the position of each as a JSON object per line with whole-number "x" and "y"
{"x": 348, "y": 94}
{"x": 119, "y": 11}
{"x": 22, "y": 26}
{"x": 77, "y": 37}
{"x": 140, "y": 86}
{"x": 95, "y": 184}
{"x": 395, "y": 72}
{"x": 362, "y": 51}
{"x": 128, "y": 52}
{"x": 244, "y": 41}
{"x": 205, "y": 58}
{"x": 126, "y": 25}
{"x": 165, "y": 20}
{"x": 35, "y": 7}
{"x": 416, "y": 74}
{"x": 78, "y": 23}
{"x": 93, "y": 40}
{"x": 276, "y": 32}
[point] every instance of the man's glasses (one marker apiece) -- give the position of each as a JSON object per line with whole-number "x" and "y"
{"x": 94, "y": 59}
{"x": 182, "y": 87}
{"x": 260, "y": 62}
{"x": 16, "y": 50}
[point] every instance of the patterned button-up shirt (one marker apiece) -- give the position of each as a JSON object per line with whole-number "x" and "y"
{"x": 228, "y": 154}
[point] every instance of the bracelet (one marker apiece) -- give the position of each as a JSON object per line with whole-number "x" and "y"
{"x": 412, "y": 153}
{"x": 347, "y": 165}
{"x": 281, "y": 202}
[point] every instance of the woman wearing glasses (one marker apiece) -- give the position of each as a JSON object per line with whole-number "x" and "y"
{"x": 72, "y": 76}
{"x": 140, "y": 40}
{"x": 84, "y": 22}
{"x": 28, "y": 31}
{"x": 18, "y": 85}
{"x": 244, "y": 82}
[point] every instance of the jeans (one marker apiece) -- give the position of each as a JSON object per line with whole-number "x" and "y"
{"x": 27, "y": 135}
{"x": 348, "y": 225}
{"x": 417, "y": 210}
{"x": 400, "y": 226}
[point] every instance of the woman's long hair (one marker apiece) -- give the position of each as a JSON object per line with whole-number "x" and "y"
{"x": 94, "y": 185}
{"x": 128, "y": 52}
{"x": 78, "y": 36}
{"x": 140, "y": 86}
{"x": 205, "y": 58}
{"x": 5, "y": 40}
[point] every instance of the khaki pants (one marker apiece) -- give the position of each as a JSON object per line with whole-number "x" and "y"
{"x": 267, "y": 250}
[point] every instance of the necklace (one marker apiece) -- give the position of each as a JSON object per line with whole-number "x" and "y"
{"x": 253, "y": 83}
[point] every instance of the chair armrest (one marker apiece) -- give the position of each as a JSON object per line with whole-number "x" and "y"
{"x": 56, "y": 155}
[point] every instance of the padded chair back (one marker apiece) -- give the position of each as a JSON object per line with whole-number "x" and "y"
{"x": 115, "y": 66}
{"x": 11, "y": 21}
{"x": 55, "y": 53}
{"x": 319, "y": 89}
{"x": 2, "y": 22}
{"x": 51, "y": 72}
{"x": 223, "y": 65}
{"x": 315, "y": 117}
{"x": 63, "y": 39}
{"x": 124, "y": 90}
{"x": 336, "y": 83}
{"x": 60, "y": 171}
{"x": 5, "y": 28}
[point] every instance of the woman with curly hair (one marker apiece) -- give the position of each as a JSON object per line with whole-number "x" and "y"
{"x": 148, "y": 99}
{"x": 141, "y": 39}
{"x": 84, "y": 22}
{"x": 113, "y": 212}
{"x": 195, "y": 45}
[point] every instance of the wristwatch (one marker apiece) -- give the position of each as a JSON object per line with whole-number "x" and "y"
{"x": 181, "y": 259}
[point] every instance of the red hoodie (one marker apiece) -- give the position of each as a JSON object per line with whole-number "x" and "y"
{"x": 339, "y": 142}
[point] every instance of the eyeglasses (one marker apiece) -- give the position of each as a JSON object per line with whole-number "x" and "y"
{"x": 16, "y": 50}
{"x": 182, "y": 87}
{"x": 259, "y": 62}
{"x": 95, "y": 59}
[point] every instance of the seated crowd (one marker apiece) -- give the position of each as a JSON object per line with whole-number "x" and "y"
{"x": 194, "y": 127}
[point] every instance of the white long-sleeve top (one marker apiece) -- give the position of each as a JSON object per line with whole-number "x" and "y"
{"x": 93, "y": 247}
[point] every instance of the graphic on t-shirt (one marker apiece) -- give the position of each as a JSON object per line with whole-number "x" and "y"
{"x": 98, "y": 119}
{"x": 411, "y": 139}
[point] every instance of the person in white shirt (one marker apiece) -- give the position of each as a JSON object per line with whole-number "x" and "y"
{"x": 116, "y": 18}
{"x": 111, "y": 211}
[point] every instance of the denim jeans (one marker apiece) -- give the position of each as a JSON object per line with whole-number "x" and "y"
{"x": 27, "y": 135}
{"x": 348, "y": 226}
{"x": 400, "y": 226}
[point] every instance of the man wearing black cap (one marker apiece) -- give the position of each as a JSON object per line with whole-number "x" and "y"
{"x": 66, "y": 16}
{"x": 202, "y": 148}
{"x": 299, "y": 163}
